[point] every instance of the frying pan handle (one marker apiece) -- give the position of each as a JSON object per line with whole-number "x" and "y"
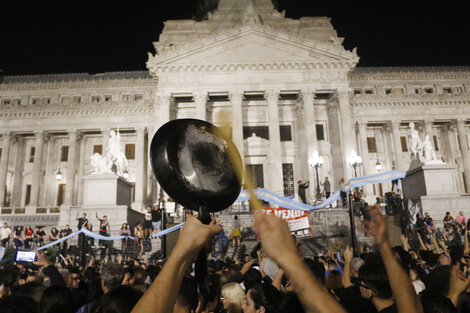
{"x": 201, "y": 262}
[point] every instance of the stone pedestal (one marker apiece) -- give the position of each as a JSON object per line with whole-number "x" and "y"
{"x": 435, "y": 185}
{"x": 106, "y": 190}
{"x": 104, "y": 194}
{"x": 430, "y": 180}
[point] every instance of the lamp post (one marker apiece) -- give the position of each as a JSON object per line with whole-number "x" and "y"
{"x": 316, "y": 162}
{"x": 354, "y": 161}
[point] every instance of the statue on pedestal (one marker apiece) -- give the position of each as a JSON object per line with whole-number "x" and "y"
{"x": 113, "y": 156}
{"x": 429, "y": 154}
{"x": 416, "y": 145}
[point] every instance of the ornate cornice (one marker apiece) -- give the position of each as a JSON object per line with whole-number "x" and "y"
{"x": 318, "y": 65}
{"x": 405, "y": 103}
{"x": 57, "y": 111}
{"x": 148, "y": 82}
{"x": 409, "y": 73}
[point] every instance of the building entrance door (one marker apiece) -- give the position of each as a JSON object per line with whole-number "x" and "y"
{"x": 256, "y": 172}
{"x": 60, "y": 194}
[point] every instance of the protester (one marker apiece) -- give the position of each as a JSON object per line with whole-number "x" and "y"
{"x": 18, "y": 237}
{"x": 53, "y": 235}
{"x": 236, "y": 234}
{"x": 232, "y": 297}
{"x": 29, "y": 237}
{"x": 40, "y": 237}
{"x": 301, "y": 191}
{"x": 5, "y": 234}
{"x": 124, "y": 231}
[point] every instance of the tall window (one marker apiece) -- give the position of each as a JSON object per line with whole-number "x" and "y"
{"x": 371, "y": 145}
{"x": 320, "y": 132}
{"x": 32, "y": 151}
{"x": 259, "y": 131}
{"x": 404, "y": 145}
{"x": 28, "y": 195}
{"x": 98, "y": 149}
{"x": 130, "y": 151}
{"x": 64, "y": 154}
{"x": 286, "y": 133}
{"x": 288, "y": 178}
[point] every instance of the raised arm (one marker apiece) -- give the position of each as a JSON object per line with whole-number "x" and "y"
{"x": 346, "y": 278}
{"x": 161, "y": 296}
{"x": 421, "y": 243}
{"x": 278, "y": 244}
{"x": 402, "y": 288}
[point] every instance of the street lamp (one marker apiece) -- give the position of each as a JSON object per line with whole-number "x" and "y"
{"x": 58, "y": 175}
{"x": 354, "y": 161}
{"x": 316, "y": 162}
{"x": 378, "y": 166}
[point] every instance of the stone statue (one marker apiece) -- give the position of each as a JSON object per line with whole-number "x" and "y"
{"x": 113, "y": 156}
{"x": 429, "y": 153}
{"x": 100, "y": 164}
{"x": 416, "y": 145}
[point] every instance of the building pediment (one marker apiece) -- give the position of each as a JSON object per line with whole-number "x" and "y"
{"x": 252, "y": 45}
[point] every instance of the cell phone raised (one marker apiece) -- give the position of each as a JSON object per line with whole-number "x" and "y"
{"x": 26, "y": 256}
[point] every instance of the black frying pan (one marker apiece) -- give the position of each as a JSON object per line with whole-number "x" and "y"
{"x": 191, "y": 164}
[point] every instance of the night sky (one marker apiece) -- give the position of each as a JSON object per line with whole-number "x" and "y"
{"x": 69, "y": 36}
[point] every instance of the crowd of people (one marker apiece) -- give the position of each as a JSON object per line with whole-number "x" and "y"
{"x": 27, "y": 238}
{"x": 425, "y": 274}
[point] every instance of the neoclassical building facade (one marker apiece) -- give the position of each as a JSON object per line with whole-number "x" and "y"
{"x": 289, "y": 86}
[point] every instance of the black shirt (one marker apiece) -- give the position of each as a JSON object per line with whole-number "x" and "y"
{"x": 40, "y": 233}
{"x": 81, "y": 222}
{"x": 302, "y": 188}
{"x": 156, "y": 215}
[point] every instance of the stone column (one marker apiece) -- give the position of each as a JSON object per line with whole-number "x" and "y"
{"x": 347, "y": 131}
{"x": 36, "y": 175}
{"x": 81, "y": 170}
{"x": 48, "y": 176}
{"x": 364, "y": 153}
{"x": 309, "y": 140}
{"x": 200, "y": 101}
{"x": 140, "y": 178}
{"x": 4, "y": 166}
{"x": 464, "y": 151}
{"x": 236, "y": 99}
{"x": 70, "y": 178}
{"x": 446, "y": 147}
{"x": 162, "y": 108}
{"x": 276, "y": 184}
{"x": 399, "y": 164}
{"x": 16, "y": 189}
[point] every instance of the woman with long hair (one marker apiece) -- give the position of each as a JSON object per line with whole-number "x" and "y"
{"x": 53, "y": 235}
{"x": 18, "y": 237}
{"x": 232, "y": 297}
{"x": 124, "y": 231}
{"x": 29, "y": 234}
